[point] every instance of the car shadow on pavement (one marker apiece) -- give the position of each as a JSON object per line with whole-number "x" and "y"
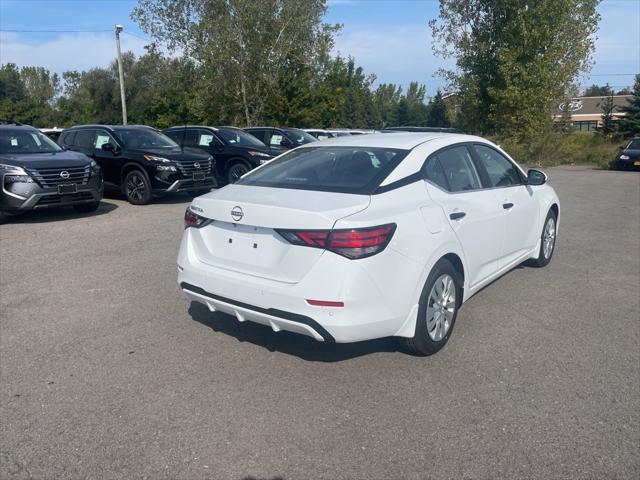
{"x": 286, "y": 342}
{"x": 59, "y": 214}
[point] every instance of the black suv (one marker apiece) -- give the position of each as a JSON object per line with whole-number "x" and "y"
{"x": 141, "y": 161}
{"x": 236, "y": 152}
{"x": 281, "y": 138}
{"x": 36, "y": 173}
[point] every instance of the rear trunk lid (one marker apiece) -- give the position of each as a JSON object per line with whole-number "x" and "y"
{"x": 243, "y": 238}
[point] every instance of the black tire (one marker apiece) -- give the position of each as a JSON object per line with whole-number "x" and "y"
{"x": 236, "y": 171}
{"x": 544, "y": 259}
{"x": 423, "y": 342}
{"x": 86, "y": 207}
{"x": 137, "y": 188}
{"x": 197, "y": 193}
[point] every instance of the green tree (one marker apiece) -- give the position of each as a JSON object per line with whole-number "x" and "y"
{"x": 629, "y": 125}
{"x": 411, "y": 109}
{"x": 244, "y": 47}
{"x": 607, "y": 107}
{"x": 514, "y": 58}
{"x": 597, "y": 90}
{"x": 386, "y": 99}
{"x": 438, "y": 113}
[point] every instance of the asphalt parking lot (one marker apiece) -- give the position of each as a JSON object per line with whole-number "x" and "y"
{"x": 107, "y": 371}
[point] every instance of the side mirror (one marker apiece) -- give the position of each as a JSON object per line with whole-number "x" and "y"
{"x": 536, "y": 177}
{"x": 109, "y": 147}
{"x": 285, "y": 142}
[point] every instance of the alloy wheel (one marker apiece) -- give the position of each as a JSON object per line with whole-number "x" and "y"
{"x": 236, "y": 172}
{"x": 135, "y": 187}
{"x": 441, "y": 307}
{"x": 549, "y": 238}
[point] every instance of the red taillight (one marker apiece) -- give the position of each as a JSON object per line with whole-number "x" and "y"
{"x": 192, "y": 219}
{"x": 351, "y": 243}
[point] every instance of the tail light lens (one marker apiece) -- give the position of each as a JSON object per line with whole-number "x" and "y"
{"x": 192, "y": 219}
{"x": 351, "y": 243}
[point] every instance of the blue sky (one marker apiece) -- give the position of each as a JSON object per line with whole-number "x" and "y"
{"x": 389, "y": 38}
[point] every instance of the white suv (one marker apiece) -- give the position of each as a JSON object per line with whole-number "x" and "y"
{"x": 367, "y": 236}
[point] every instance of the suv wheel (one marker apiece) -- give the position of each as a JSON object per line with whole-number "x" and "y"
{"x": 86, "y": 207}
{"x": 437, "y": 310}
{"x": 236, "y": 171}
{"x": 137, "y": 188}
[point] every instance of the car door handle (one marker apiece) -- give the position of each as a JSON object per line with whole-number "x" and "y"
{"x": 507, "y": 206}
{"x": 456, "y": 215}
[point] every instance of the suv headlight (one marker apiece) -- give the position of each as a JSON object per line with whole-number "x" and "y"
{"x": 153, "y": 158}
{"x": 161, "y": 168}
{"x": 14, "y": 174}
{"x": 624, "y": 157}
{"x": 11, "y": 170}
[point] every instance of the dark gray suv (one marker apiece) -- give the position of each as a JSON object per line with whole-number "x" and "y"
{"x": 36, "y": 173}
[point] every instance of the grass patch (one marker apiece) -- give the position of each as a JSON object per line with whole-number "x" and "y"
{"x": 563, "y": 149}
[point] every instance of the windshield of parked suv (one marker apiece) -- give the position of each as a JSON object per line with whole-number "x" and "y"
{"x": 26, "y": 141}
{"x": 634, "y": 144}
{"x": 238, "y": 138}
{"x": 330, "y": 169}
{"x": 300, "y": 137}
{"x": 144, "y": 138}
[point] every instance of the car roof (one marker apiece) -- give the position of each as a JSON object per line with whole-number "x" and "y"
{"x": 181, "y": 127}
{"x": 400, "y": 140}
{"x": 16, "y": 126}
{"x": 114, "y": 127}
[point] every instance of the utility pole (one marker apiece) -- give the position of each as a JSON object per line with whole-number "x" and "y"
{"x": 121, "y": 74}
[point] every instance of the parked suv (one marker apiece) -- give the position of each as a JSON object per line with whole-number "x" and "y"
{"x": 36, "y": 173}
{"x": 285, "y": 138}
{"x": 629, "y": 156}
{"x": 141, "y": 161}
{"x": 236, "y": 152}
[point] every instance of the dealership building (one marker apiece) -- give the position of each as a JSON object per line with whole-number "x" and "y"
{"x": 586, "y": 112}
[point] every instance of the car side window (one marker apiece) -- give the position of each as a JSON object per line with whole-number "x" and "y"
{"x": 260, "y": 134}
{"x": 175, "y": 135}
{"x": 191, "y": 138}
{"x": 67, "y": 138}
{"x": 102, "y": 137}
{"x": 500, "y": 171}
{"x": 85, "y": 139}
{"x": 276, "y": 138}
{"x": 453, "y": 170}
{"x": 207, "y": 139}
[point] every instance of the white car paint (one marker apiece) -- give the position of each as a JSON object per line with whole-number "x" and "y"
{"x": 244, "y": 268}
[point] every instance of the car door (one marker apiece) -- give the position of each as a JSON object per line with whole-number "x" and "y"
{"x": 110, "y": 163}
{"x": 474, "y": 214}
{"x": 517, "y": 200}
{"x": 83, "y": 142}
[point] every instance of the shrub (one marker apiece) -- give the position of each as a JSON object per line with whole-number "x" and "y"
{"x": 556, "y": 148}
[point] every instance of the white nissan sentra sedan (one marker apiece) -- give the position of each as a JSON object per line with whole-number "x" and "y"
{"x": 367, "y": 236}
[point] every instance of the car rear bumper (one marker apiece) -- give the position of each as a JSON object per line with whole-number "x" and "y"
{"x": 370, "y": 309}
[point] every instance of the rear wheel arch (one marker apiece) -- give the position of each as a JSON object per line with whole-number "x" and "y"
{"x": 555, "y": 209}
{"x": 456, "y": 261}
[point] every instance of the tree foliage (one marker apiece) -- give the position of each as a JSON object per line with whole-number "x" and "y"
{"x": 514, "y": 58}
{"x": 629, "y": 125}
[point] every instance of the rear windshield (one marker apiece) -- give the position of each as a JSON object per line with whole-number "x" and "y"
{"x": 357, "y": 170}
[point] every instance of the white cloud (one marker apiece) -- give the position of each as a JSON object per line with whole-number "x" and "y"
{"x": 69, "y": 51}
{"x": 394, "y": 54}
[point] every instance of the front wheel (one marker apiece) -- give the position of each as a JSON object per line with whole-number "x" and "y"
{"x": 547, "y": 241}
{"x": 137, "y": 188}
{"x": 236, "y": 171}
{"x": 86, "y": 207}
{"x": 437, "y": 310}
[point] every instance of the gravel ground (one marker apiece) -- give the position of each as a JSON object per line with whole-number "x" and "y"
{"x": 107, "y": 371}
